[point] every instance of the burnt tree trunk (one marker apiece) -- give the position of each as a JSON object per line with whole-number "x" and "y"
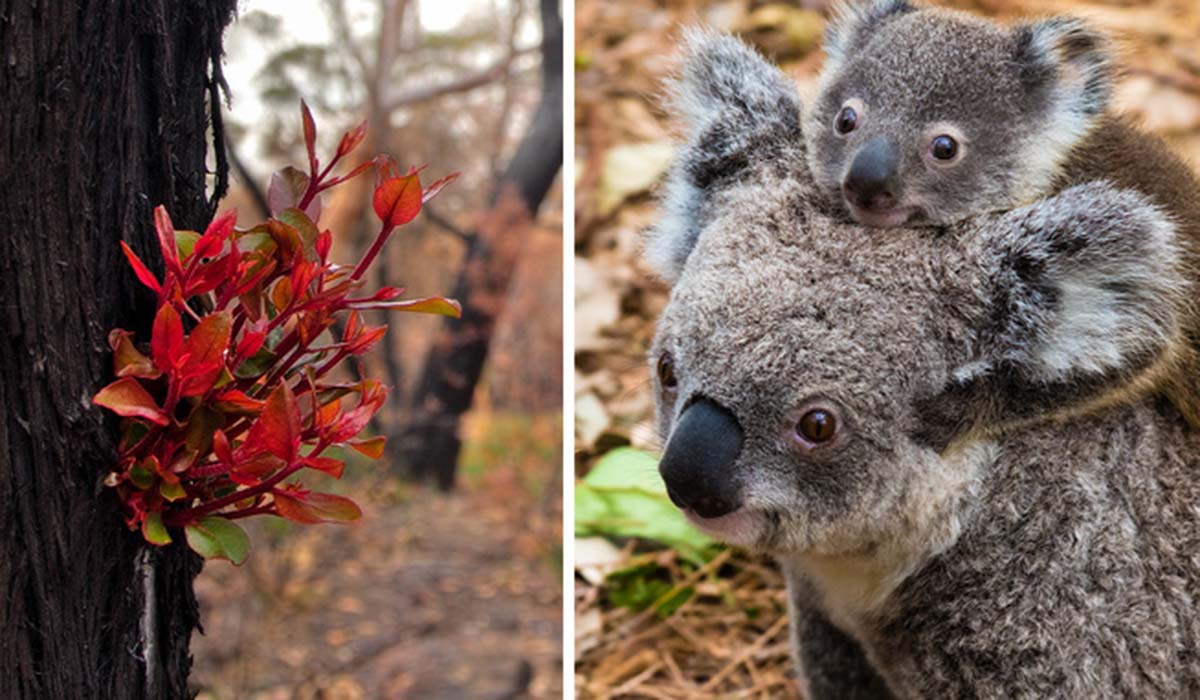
{"x": 105, "y": 117}
{"x": 428, "y": 445}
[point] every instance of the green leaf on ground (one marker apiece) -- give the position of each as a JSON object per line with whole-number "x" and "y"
{"x": 623, "y": 496}
{"x": 640, "y": 586}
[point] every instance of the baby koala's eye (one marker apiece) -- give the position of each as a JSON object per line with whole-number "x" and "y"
{"x": 846, "y": 121}
{"x": 666, "y": 372}
{"x": 817, "y": 426}
{"x": 944, "y": 147}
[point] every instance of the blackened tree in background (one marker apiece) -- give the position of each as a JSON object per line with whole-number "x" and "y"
{"x": 429, "y": 444}
{"x": 106, "y": 115}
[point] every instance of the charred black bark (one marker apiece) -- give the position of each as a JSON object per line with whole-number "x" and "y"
{"x": 429, "y": 444}
{"x": 105, "y": 117}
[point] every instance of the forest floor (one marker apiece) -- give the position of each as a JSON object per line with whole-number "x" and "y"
{"x": 729, "y": 638}
{"x": 451, "y": 596}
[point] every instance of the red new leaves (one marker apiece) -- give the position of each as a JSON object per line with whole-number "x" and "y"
{"x": 397, "y": 200}
{"x": 202, "y": 273}
{"x": 229, "y": 401}
{"x": 307, "y": 507}
{"x": 277, "y": 429}
{"x": 126, "y": 397}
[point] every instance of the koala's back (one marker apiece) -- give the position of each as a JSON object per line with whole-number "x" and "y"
{"x": 1069, "y": 582}
{"x": 1128, "y": 157}
{"x": 1120, "y": 153}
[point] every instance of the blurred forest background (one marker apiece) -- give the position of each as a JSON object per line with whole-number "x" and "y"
{"x": 660, "y": 611}
{"x": 450, "y": 586}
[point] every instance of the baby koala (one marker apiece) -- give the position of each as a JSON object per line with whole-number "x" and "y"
{"x": 929, "y": 116}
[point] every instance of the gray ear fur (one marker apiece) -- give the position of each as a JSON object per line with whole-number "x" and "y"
{"x": 734, "y": 105}
{"x": 722, "y": 78}
{"x": 853, "y": 21}
{"x": 1085, "y": 297}
{"x": 1071, "y": 63}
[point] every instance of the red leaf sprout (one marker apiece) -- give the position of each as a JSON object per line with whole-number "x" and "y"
{"x": 230, "y": 400}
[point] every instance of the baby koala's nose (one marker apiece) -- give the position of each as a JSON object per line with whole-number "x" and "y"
{"x": 871, "y": 181}
{"x": 697, "y": 465}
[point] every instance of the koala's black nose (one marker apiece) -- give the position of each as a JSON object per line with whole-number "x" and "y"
{"x": 698, "y": 463}
{"x": 872, "y": 179}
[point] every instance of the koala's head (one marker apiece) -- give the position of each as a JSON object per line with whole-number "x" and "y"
{"x": 821, "y": 386}
{"x": 927, "y": 116}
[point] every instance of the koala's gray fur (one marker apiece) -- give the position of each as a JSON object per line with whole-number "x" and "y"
{"x": 739, "y": 107}
{"x": 1029, "y": 105}
{"x": 985, "y": 524}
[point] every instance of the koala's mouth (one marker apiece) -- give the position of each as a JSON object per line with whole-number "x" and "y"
{"x": 742, "y": 527}
{"x": 881, "y": 217}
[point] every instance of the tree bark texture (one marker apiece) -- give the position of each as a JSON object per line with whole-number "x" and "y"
{"x": 105, "y": 117}
{"x": 428, "y": 445}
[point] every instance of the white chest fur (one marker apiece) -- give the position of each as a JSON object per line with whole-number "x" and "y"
{"x": 852, "y": 585}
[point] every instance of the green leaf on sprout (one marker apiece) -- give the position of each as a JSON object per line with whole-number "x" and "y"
{"x": 135, "y": 432}
{"x": 255, "y": 366}
{"x": 154, "y": 531}
{"x": 142, "y": 474}
{"x": 214, "y": 537}
{"x": 201, "y": 425}
{"x": 304, "y": 226}
{"x": 336, "y": 391}
{"x": 172, "y": 491}
{"x": 185, "y": 243}
{"x": 257, "y": 240}
{"x": 223, "y": 379}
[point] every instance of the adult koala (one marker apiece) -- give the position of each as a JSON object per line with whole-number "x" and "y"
{"x": 943, "y": 435}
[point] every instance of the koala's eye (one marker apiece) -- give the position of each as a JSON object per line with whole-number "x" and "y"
{"x": 846, "y": 121}
{"x": 817, "y": 426}
{"x": 666, "y": 372}
{"x": 944, "y": 147}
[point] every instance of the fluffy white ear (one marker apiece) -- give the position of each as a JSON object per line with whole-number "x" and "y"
{"x": 737, "y": 110}
{"x": 1066, "y": 67}
{"x": 1069, "y": 63}
{"x": 1083, "y": 283}
{"x": 1082, "y": 294}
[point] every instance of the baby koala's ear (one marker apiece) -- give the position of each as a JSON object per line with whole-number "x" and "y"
{"x": 724, "y": 80}
{"x": 1083, "y": 296}
{"x": 852, "y": 23}
{"x": 738, "y": 110}
{"x": 1069, "y": 64}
